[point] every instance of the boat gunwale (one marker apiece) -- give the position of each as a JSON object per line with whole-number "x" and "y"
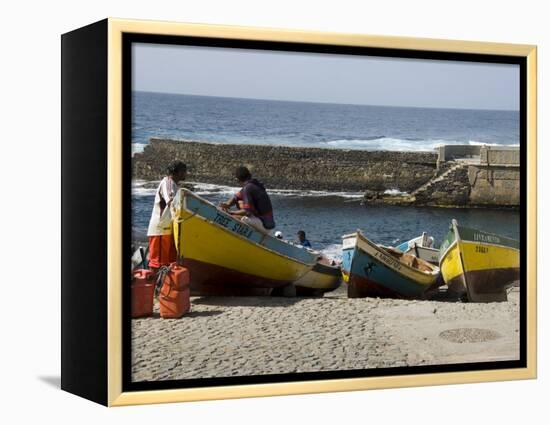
{"x": 197, "y": 215}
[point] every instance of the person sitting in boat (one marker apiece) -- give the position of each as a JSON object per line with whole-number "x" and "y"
{"x": 252, "y": 201}
{"x": 302, "y": 239}
{"x": 162, "y": 249}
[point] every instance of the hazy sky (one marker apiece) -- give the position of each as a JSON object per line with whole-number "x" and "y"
{"x": 324, "y": 78}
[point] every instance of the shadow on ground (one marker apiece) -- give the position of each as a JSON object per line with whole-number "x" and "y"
{"x": 54, "y": 381}
{"x": 267, "y": 301}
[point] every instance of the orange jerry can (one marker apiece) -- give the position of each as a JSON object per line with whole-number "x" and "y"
{"x": 143, "y": 291}
{"x": 174, "y": 293}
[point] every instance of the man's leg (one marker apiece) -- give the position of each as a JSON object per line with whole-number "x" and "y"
{"x": 256, "y": 223}
{"x": 154, "y": 252}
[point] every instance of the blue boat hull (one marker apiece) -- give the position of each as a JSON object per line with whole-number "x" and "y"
{"x": 377, "y": 274}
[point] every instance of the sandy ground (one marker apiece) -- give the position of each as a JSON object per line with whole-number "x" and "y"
{"x": 239, "y": 336}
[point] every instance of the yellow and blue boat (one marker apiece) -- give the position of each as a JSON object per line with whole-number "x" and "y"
{"x": 371, "y": 270}
{"x": 478, "y": 264}
{"x": 228, "y": 257}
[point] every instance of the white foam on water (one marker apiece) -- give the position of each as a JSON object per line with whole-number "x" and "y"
{"x": 138, "y": 147}
{"x": 333, "y": 251}
{"x": 139, "y": 190}
{"x": 395, "y": 144}
{"x": 476, "y": 143}
{"x": 202, "y": 189}
{"x": 395, "y": 192}
{"x": 205, "y": 189}
{"x": 387, "y": 144}
{"x": 313, "y": 193}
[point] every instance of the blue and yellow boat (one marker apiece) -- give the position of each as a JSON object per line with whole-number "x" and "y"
{"x": 228, "y": 257}
{"x": 375, "y": 271}
{"x": 478, "y": 264}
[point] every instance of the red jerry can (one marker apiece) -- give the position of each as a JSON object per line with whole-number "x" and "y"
{"x": 174, "y": 293}
{"x": 143, "y": 290}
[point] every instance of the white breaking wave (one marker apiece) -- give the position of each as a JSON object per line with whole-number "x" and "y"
{"x": 395, "y": 192}
{"x": 202, "y": 189}
{"x": 313, "y": 193}
{"x": 333, "y": 251}
{"x": 394, "y": 144}
{"x": 138, "y": 188}
{"x": 148, "y": 188}
{"x": 475, "y": 143}
{"x": 138, "y": 147}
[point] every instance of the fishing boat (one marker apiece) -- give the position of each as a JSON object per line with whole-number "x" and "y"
{"x": 325, "y": 276}
{"x": 228, "y": 257}
{"x": 478, "y": 264}
{"x": 421, "y": 247}
{"x": 375, "y": 271}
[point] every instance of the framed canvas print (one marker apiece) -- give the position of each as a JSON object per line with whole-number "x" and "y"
{"x": 251, "y": 212}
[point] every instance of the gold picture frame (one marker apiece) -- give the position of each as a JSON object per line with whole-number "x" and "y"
{"x": 114, "y": 395}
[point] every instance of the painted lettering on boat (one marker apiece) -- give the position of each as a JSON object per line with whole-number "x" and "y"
{"x": 482, "y": 249}
{"x": 222, "y": 220}
{"x": 236, "y": 227}
{"x": 241, "y": 229}
{"x": 393, "y": 263}
{"x": 479, "y": 237}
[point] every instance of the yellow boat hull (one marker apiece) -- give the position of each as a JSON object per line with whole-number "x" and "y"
{"x": 225, "y": 256}
{"x": 482, "y": 270}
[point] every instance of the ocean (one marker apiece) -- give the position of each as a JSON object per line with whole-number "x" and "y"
{"x": 325, "y": 216}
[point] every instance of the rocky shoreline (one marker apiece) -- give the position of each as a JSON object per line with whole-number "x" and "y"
{"x": 483, "y": 177}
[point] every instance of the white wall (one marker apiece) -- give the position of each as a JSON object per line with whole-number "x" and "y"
{"x": 30, "y": 99}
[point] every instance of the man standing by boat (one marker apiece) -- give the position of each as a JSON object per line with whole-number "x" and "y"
{"x": 254, "y": 205}
{"x": 162, "y": 248}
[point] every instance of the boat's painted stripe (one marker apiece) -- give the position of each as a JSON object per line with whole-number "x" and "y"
{"x": 480, "y": 237}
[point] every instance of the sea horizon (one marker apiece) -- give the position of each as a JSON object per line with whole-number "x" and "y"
{"x": 325, "y": 103}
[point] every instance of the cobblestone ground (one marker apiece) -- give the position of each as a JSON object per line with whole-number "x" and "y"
{"x": 240, "y": 336}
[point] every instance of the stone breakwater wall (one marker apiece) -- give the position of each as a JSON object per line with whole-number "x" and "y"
{"x": 468, "y": 177}
{"x": 285, "y": 167}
